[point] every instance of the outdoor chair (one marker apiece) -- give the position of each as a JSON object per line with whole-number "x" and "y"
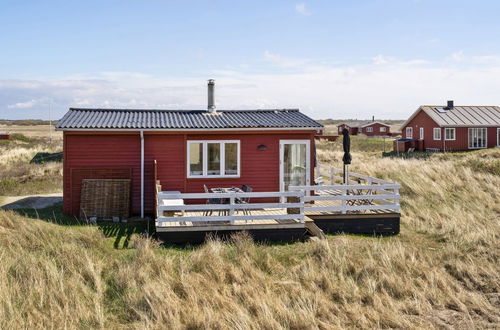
{"x": 217, "y": 201}
{"x": 245, "y": 200}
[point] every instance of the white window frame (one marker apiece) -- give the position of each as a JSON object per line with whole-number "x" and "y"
{"x": 383, "y": 129}
{"x": 361, "y": 129}
{"x": 450, "y": 129}
{"x": 369, "y": 129}
{"x": 498, "y": 136}
{"x": 409, "y": 132}
{"x": 421, "y": 133}
{"x": 483, "y": 129}
{"x": 436, "y": 137}
{"x": 204, "y": 144}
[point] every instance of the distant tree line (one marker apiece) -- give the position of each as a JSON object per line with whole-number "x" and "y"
{"x": 26, "y": 122}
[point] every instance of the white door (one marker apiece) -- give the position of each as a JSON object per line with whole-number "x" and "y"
{"x": 295, "y": 163}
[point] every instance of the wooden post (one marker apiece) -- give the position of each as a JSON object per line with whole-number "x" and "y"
{"x": 301, "y": 199}
{"x": 231, "y": 208}
{"x": 344, "y": 202}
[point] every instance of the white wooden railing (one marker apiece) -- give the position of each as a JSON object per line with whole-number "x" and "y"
{"x": 361, "y": 193}
{"x": 232, "y": 211}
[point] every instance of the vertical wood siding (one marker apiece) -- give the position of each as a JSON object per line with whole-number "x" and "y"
{"x": 376, "y": 130}
{"x": 259, "y": 169}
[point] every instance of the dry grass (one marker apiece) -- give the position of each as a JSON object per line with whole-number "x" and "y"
{"x": 18, "y": 176}
{"x": 442, "y": 271}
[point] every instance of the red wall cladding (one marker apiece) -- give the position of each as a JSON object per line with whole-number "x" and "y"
{"x": 258, "y": 168}
{"x": 461, "y": 141}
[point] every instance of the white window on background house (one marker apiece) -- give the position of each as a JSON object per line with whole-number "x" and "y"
{"x": 421, "y": 133}
{"x": 477, "y": 138}
{"x": 382, "y": 129}
{"x": 498, "y": 137}
{"x": 449, "y": 134}
{"x": 213, "y": 159}
{"x": 409, "y": 132}
{"x": 369, "y": 129}
{"x": 437, "y": 133}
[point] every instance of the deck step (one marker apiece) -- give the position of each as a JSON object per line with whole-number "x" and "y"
{"x": 313, "y": 229}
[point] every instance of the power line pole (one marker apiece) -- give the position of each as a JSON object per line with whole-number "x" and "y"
{"x": 50, "y": 123}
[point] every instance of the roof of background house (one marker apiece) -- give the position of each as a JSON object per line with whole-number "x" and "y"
{"x": 467, "y": 116}
{"x": 130, "y": 119}
{"x": 355, "y": 123}
{"x": 363, "y": 123}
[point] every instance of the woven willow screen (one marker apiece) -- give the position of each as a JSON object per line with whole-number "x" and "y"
{"x": 105, "y": 198}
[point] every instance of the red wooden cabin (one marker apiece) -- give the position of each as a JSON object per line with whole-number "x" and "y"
{"x": 4, "y": 136}
{"x": 265, "y": 149}
{"x": 375, "y": 128}
{"x": 453, "y": 128}
{"x": 368, "y": 128}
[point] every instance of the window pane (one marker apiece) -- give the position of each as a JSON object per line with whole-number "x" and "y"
{"x": 213, "y": 159}
{"x": 231, "y": 161}
{"x": 196, "y": 159}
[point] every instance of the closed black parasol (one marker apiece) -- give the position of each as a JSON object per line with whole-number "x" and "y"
{"x": 346, "y": 141}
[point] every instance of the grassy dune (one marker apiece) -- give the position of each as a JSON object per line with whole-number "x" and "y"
{"x": 441, "y": 271}
{"x": 18, "y": 176}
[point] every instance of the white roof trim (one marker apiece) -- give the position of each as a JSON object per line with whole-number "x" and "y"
{"x": 416, "y": 112}
{"x": 376, "y": 122}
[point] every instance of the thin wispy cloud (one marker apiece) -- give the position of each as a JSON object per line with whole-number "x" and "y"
{"x": 387, "y": 87}
{"x": 301, "y": 9}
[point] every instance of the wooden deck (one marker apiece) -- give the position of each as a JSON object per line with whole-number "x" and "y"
{"x": 261, "y": 223}
{"x": 365, "y": 205}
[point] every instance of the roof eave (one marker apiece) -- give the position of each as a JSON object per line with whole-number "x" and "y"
{"x": 189, "y": 129}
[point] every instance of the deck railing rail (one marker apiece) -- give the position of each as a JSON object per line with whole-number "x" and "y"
{"x": 232, "y": 210}
{"x": 361, "y": 193}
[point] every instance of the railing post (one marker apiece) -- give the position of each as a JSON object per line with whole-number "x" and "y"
{"x": 301, "y": 209}
{"x": 231, "y": 209}
{"x": 396, "y": 200}
{"x": 344, "y": 202}
{"x": 158, "y": 203}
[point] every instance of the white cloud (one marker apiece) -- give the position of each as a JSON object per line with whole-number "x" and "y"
{"x": 22, "y": 105}
{"x": 386, "y": 87}
{"x": 301, "y": 9}
{"x": 456, "y": 56}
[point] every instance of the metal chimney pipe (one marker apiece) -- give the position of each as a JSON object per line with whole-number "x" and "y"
{"x": 373, "y": 118}
{"x": 450, "y": 104}
{"x": 211, "y": 97}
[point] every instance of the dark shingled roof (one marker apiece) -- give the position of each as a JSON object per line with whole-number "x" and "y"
{"x": 89, "y": 119}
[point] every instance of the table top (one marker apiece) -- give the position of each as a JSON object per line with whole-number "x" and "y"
{"x": 226, "y": 190}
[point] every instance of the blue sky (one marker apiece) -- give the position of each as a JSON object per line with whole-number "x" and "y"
{"x": 332, "y": 59}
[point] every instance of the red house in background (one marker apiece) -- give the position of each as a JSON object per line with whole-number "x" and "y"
{"x": 368, "y": 128}
{"x": 265, "y": 149}
{"x": 375, "y": 128}
{"x": 453, "y": 128}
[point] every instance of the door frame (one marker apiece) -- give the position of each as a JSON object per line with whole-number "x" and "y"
{"x": 308, "y": 160}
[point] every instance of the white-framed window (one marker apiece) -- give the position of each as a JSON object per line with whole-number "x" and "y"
{"x": 498, "y": 137}
{"x": 361, "y": 129}
{"x": 409, "y": 132}
{"x": 449, "y": 134}
{"x": 477, "y": 138}
{"x": 213, "y": 159}
{"x": 421, "y": 133}
{"x": 383, "y": 128}
{"x": 369, "y": 129}
{"x": 436, "y": 133}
